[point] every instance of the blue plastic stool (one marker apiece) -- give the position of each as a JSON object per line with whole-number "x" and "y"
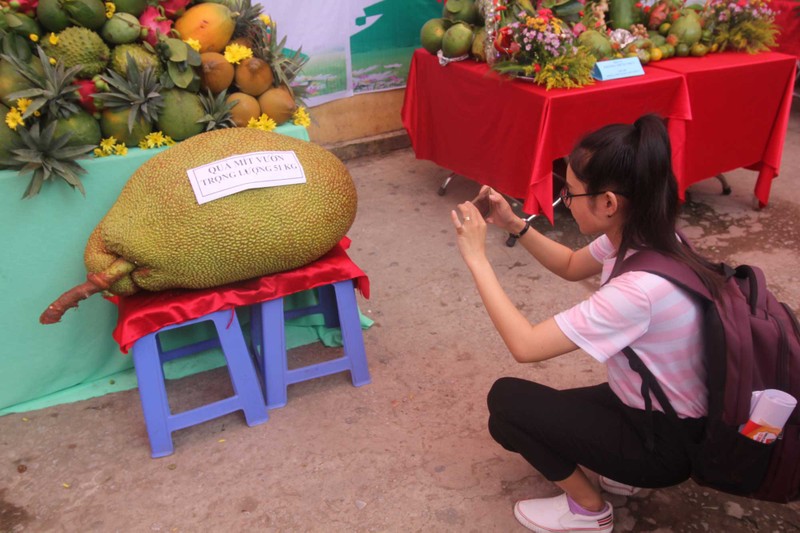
{"x": 148, "y": 358}
{"x": 337, "y": 303}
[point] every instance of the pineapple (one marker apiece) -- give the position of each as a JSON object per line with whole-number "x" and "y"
{"x": 132, "y": 105}
{"x": 218, "y": 111}
{"x": 49, "y": 157}
{"x": 248, "y": 17}
{"x": 52, "y": 91}
{"x": 284, "y": 67}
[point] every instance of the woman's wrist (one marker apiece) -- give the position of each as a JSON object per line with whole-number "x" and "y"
{"x": 518, "y": 227}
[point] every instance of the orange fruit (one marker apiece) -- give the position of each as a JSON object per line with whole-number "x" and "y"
{"x": 278, "y": 104}
{"x": 246, "y": 108}
{"x": 656, "y": 54}
{"x": 253, "y": 76}
{"x": 216, "y": 73}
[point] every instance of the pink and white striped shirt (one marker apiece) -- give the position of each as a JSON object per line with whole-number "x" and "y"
{"x": 654, "y": 317}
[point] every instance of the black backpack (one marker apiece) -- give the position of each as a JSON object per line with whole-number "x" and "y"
{"x": 751, "y": 342}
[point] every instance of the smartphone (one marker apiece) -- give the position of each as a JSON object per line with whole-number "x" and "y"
{"x": 483, "y": 204}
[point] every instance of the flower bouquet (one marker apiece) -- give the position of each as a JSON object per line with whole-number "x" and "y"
{"x": 743, "y": 25}
{"x": 537, "y": 45}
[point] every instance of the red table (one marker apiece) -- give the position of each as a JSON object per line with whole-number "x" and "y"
{"x": 788, "y": 20}
{"x": 725, "y": 111}
{"x": 507, "y": 134}
{"x": 740, "y": 112}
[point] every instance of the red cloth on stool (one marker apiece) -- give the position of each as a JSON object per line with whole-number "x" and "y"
{"x": 146, "y": 312}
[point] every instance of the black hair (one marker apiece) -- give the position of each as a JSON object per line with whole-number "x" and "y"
{"x": 636, "y": 162}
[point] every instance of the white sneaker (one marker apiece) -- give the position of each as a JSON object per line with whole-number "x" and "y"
{"x": 615, "y": 487}
{"x": 552, "y": 515}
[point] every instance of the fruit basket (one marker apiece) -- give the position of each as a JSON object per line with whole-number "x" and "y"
{"x": 86, "y": 78}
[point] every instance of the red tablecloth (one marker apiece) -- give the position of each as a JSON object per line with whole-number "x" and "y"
{"x": 147, "y": 312}
{"x": 788, "y": 20}
{"x": 507, "y": 133}
{"x": 740, "y": 112}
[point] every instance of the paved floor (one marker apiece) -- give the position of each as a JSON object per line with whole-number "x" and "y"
{"x": 409, "y": 452}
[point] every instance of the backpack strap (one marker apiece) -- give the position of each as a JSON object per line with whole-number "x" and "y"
{"x": 670, "y": 269}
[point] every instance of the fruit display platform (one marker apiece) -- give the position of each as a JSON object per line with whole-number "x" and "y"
{"x": 44, "y": 239}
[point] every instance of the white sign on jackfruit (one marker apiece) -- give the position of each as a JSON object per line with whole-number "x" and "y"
{"x": 254, "y": 170}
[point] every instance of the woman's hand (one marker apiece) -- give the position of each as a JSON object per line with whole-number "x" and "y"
{"x": 500, "y": 212}
{"x": 470, "y": 232}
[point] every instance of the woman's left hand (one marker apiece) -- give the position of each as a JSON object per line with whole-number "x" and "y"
{"x": 470, "y": 231}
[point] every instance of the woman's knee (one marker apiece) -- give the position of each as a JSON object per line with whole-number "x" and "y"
{"x": 502, "y": 394}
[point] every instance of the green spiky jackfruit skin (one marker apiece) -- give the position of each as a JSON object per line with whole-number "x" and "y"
{"x": 157, "y": 224}
{"x": 81, "y": 46}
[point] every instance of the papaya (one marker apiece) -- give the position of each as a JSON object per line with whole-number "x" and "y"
{"x": 211, "y": 24}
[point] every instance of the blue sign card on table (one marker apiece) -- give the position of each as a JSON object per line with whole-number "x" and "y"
{"x": 617, "y": 68}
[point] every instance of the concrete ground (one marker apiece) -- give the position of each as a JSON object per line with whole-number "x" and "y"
{"x": 410, "y": 451}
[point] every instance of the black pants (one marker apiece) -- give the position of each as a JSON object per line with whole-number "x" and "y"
{"x": 557, "y": 430}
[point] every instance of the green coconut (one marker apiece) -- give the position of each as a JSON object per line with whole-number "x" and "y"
{"x": 688, "y": 28}
{"x": 597, "y": 44}
{"x": 457, "y": 40}
{"x": 432, "y": 33}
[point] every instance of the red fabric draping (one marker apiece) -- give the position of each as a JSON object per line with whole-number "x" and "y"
{"x": 506, "y": 134}
{"x": 787, "y": 18}
{"x": 147, "y": 312}
{"x": 740, "y": 113}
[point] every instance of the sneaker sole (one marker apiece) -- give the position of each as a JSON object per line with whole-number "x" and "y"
{"x": 522, "y": 519}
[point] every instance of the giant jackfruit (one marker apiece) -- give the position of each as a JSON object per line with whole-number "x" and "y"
{"x": 156, "y": 236}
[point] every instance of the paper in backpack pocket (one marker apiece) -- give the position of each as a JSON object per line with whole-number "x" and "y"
{"x": 769, "y": 411}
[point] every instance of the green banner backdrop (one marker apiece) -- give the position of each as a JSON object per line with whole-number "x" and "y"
{"x": 355, "y": 46}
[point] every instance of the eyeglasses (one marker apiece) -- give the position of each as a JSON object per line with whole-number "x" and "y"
{"x": 566, "y": 196}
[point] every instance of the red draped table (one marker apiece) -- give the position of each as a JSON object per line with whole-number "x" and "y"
{"x": 724, "y": 111}
{"x": 507, "y": 133}
{"x": 740, "y": 113}
{"x": 147, "y": 312}
{"x": 788, "y": 21}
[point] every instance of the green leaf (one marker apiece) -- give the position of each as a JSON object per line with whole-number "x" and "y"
{"x": 177, "y": 50}
{"x": 182, "y": 76}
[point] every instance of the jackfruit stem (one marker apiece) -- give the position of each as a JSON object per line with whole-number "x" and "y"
{"x": 95, "y": 282}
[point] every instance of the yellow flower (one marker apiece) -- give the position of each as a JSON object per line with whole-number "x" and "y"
{"x": 14, "y": 118}
{"x": 155, "y": 140}
{"x": 537, "y": 23}
{"x": 52, "y": 61}
{"x": 262, "y": 123}
{"x": 53, "y": 39}
{"x": 265, "y": 19}
{"x": 194, "y": 43}
{"x": 120, "y": 149}
{"x": 99, "y": 152}
{"x": 107, "y": 145}
{"x": 301, "y": 118}
{"x": 234, "y": 53}
{"x": 110, "y": 9}
{"x": 33, "y": 37}
{"x": 22, "y": 104}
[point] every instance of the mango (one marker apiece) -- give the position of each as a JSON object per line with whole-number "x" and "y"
{"x": 156, "y": 236}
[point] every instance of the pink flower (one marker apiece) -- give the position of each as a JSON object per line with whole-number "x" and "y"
{"x": 155, "y": 23}
{"x": 173, "y": 8}
{"x": 741, "y": 3}
{"x": 578, "y": 29}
